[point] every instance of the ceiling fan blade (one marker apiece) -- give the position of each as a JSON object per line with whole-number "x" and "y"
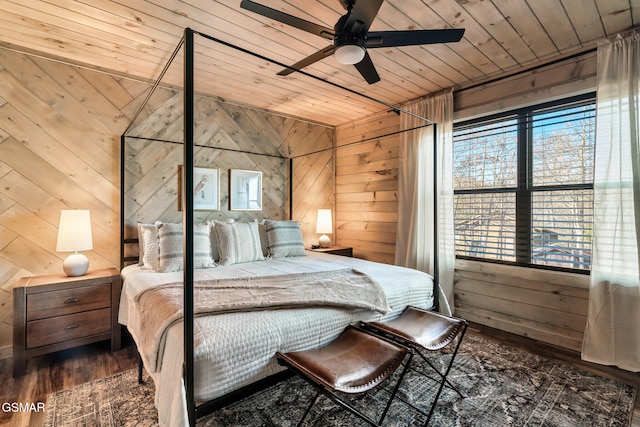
{"x": 319, "y": 55}
{"x": 291, "y": 20}
{"x": 367, "y": 69}
{"x": 361, "y": 16}
{"x": 412, "y": 37}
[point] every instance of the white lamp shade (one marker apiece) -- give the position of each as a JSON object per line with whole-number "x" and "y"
{"x": 74, "y": 232}
{"x": 324, "y": 225}
{"x": 349, "y": 54}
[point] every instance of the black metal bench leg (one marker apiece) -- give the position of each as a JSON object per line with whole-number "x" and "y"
{"x": 448, "y": 383}
{"x": 324, "y": 391}
{"x": 444, "y": 376}
{"x": 313, "y": 401}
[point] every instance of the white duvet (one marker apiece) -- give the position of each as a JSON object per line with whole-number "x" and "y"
{"x": 238, "y": 349}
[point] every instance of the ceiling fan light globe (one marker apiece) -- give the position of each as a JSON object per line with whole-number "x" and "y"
{"x": 349, "y": 54}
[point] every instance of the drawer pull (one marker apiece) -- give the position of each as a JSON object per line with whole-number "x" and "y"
{"x": 72, "y": 326}
{"x": 71, "y": 300}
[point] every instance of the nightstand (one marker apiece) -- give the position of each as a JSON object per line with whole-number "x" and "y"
{"x": 335, "y": 250}
{"x": 57, "y": 312}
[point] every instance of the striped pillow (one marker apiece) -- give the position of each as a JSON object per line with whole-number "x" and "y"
{"x": 170, "y": 242}
{"x": 238, "y": 242}
{"x": 284, "y": 238}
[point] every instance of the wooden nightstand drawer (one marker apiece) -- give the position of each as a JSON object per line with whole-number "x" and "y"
{"x": 64, "y": 328}
{"x": 67, "y": 301}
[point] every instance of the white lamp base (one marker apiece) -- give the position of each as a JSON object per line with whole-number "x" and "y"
{"x": 324, "y": 241}
{"x": 75, "y": 265}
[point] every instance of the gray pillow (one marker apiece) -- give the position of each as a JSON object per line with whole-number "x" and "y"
{"x": 215, "y": 252}
{"x": 264, "y": 244}
{"x": 284, "y": 238}
{"x": 170, "y": 242}
{"x": 238, "y": 242}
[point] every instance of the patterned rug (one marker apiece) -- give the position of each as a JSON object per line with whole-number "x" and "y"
{"x": 504, "y": 386}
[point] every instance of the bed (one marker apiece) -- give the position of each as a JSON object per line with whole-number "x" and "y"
{"x": 235, "y": 344}
{"x": 203, "y": 358}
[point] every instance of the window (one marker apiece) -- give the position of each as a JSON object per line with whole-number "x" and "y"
{"x": 523, "y": 185}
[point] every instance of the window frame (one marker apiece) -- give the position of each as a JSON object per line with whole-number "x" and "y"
{"x": 524, "y": 189}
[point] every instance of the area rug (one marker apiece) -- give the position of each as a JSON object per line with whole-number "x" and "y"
{"x": 503, "y": 386}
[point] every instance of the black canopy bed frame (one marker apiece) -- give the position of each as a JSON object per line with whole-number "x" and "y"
{"x": 187, "y": 43}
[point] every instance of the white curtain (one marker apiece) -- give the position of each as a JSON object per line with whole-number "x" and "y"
{"x": 415, "y": 232}
{"x": 612, "y": 335}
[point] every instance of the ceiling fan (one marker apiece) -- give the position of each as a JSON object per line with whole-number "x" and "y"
{"x": 351, "y": 37}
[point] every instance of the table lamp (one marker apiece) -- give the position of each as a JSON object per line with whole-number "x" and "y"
{"x": 324, "y": 226}
{"x": 74, "y": 234}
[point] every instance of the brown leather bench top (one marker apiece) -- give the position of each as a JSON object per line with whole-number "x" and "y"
{"x": 354, "y": 362}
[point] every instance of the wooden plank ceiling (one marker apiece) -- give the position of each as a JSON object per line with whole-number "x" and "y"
{"x": 135, "y": 38}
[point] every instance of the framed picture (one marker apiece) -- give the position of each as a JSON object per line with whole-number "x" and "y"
{"x": 206, "y": 189}
{"x": 245, "y": 190}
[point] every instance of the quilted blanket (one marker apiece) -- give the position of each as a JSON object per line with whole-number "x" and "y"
{"x": 162, "y": 306}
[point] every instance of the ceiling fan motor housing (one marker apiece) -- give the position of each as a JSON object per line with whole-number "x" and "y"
{"x": 349, "y": 39}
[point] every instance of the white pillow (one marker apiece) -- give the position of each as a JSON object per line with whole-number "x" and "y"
{"x": 141, "y": 238}
{"x": 284, "y": 238}
{"x": 238, "y": 242}
{"x": 151, "y": 253}
{"x": 170, "y": 242}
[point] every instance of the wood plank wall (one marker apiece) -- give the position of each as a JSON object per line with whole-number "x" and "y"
{"x": 227, "y": 137}
{"x": 60, "y": 128}
{"x": 367, "y": 186}
{"x": 544, "y": 305}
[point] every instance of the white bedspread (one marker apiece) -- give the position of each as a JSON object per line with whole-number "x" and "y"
{"x": 238, "y": 348}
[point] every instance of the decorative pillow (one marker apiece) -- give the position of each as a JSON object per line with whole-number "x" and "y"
{"x": 238, "y": 242}
{"x": 284, "y": 238}
{"x": 170, "y": 242}
{"x": 151, "y": 251}
{"x": 141, "y": 238}
{"x": 215, "y": 250}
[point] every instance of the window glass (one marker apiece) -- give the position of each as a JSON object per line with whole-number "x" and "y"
{"x": 523, "y": 185}
{"x": 563, "y": 146}
{"x": 485, "y": 225}
{"x": 484, "y": 155}
{"x": 562, "y": 228}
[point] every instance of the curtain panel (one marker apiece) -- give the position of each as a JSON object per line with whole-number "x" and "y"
{"x": 415, "y": 242}
{"x": 612, "y": 334}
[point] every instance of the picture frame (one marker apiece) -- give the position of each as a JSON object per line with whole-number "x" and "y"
{"x": 206, "y": 188}
{"x": 245, "y": 190}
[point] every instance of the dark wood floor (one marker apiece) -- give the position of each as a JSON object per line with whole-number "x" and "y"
{"x": 66, "y": 369}
{"x": 59, "y": 371}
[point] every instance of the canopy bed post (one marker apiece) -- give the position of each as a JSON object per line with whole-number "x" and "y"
{"x": 436, "y": 241}
{"x": 187, "y": 221}
{"x": 291, "y": 188}
{"x": 122, "y": 196}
